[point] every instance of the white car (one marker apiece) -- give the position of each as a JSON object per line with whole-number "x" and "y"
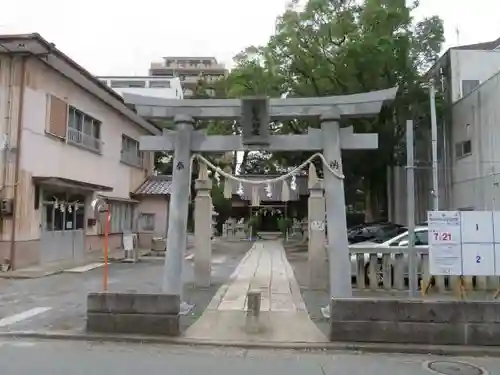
{"x": 401, "y": 240}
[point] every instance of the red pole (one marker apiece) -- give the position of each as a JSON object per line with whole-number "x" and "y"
{"x": 106, "y": 232}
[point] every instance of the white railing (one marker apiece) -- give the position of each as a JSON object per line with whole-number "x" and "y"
{"x": 79, "y": 138}
{"x": 131, "y": 158}
{"x": 387, "y": 269}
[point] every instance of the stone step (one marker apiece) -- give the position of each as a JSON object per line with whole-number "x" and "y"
{"x": 295, "y": 247}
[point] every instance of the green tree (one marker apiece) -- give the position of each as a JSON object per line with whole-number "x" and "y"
{"x": 333, "y": 47}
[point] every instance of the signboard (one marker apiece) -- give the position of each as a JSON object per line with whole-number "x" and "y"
{"x": 128, "y": 241}
{"x": 445, "y": 248}
{"x": 464, "y": 243}
{"x": 255, "y": 121}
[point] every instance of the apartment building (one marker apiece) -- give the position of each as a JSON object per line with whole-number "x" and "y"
{"x": 158, "y": 86}
{"x": 67, "y": 138}
{"x": 467, "y": 79}
{"x": 190, "y": 70}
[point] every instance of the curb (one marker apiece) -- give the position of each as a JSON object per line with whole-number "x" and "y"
{"x": 21, "y": 276}
{"x": 363, "y": 347}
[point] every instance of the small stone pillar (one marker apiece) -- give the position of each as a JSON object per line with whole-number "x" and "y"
{"x": 252, "y": 323}
{"x": 304, "y": 225}
{"x": 318, "y": 266}
{"x": 203, "y": 232}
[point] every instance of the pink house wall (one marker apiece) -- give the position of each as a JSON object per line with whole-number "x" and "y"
{"x": 45, "y": 155}
{"x": 157, "y": 205}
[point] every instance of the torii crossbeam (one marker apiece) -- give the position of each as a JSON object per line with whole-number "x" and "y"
{"x": 255, "y": 115}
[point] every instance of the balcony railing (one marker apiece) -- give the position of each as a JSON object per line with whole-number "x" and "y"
{"x": 129, "y": 157}
{"x": 79, "y": 138}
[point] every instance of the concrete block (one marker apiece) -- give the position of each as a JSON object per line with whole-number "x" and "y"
{"x": 363, "y": 309}
{"x": 483, "y": 334}
{"x": 151, "y": 324}
{"x": 482, "y": 311}
{"x": 427, "y": 322}
{"x": 429, "y": 311}
{"x": 406, "y": 310}
{"x": 398, "y": 332}
{"x": 133, "y": 303}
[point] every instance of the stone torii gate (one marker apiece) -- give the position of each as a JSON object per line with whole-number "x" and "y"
{"x": 255, "y": 115}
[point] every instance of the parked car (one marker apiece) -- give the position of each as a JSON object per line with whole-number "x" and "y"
{"x": 366, "y": 232}
{"x": 385, "y": 241}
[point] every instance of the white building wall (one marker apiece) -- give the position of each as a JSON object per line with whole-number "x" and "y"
{"x": 43, "y": 155}
{"x": 476, "y": 176}
{"x": 471, "y": 65}
{"x": 175, "y": 90}
{"x": 472, "y": 180}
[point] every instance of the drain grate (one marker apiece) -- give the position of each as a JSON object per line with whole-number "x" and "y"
{"x": 454, "y": 368}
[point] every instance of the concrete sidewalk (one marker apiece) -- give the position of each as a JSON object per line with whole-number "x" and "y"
{"x": 54, "y": 268}
{"x": 284, "y": 317}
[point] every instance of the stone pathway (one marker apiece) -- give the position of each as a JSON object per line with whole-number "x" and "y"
{"x": 284, "y": 317}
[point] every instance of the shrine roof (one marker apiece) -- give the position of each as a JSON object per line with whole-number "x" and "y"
{"x": 155, "y": 185}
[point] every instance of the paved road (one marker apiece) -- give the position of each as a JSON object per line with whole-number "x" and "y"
{"x": 58, "y": 302}
{"x": 81, "y": 358}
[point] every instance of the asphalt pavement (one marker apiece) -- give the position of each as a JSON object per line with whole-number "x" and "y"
{"x": 82, "y": 358}
{"x": 58, "y": 302}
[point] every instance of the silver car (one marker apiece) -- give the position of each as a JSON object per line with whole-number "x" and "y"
{"x": 386, "y": 245}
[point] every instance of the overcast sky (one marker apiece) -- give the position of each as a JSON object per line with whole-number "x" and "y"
{"x": 111, "y": 37}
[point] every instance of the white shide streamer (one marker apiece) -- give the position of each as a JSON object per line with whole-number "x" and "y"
{"x": 292, "y": 173}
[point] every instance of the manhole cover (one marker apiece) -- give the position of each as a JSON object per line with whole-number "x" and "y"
{"x": 454, "y": 368}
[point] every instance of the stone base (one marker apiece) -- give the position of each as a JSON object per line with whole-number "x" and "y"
{"x": 153, "y": 314}
{"x": 415, "y": 321}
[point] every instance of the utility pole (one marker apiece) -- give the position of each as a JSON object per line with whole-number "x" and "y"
{"x": 434, "y": 136}
{"x": 410, "y": 189}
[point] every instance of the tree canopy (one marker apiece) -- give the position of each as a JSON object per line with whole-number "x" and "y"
{"x": 334, "y": 47}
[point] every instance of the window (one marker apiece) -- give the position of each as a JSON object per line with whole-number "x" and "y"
{"x": 159, "y": 84}
{"x": 130, "y": 152}
{"x": 58, "y": 117}
{"x": 63, "y": 212}
{"x": 84, "y": 130}
{"x": 147, "y": 222}
{"x": 122, "y": 217}
{"x": 467, "y": 147}
{"x": 422, "y": 238}
{"x": 397, "y": 242}
{"x": 468, "y": 85}
{"x": 463, "y": 148}
{"x": 126, "y": 84}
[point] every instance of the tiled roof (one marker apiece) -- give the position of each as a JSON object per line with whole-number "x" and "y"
{"x": 155, "y": 185}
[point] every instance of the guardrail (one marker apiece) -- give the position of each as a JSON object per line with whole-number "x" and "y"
{"x": 84, "y": 140}
{"x": 387, "y": 269}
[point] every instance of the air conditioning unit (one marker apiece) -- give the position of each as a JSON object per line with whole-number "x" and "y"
{"x": 6, "y": 207}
